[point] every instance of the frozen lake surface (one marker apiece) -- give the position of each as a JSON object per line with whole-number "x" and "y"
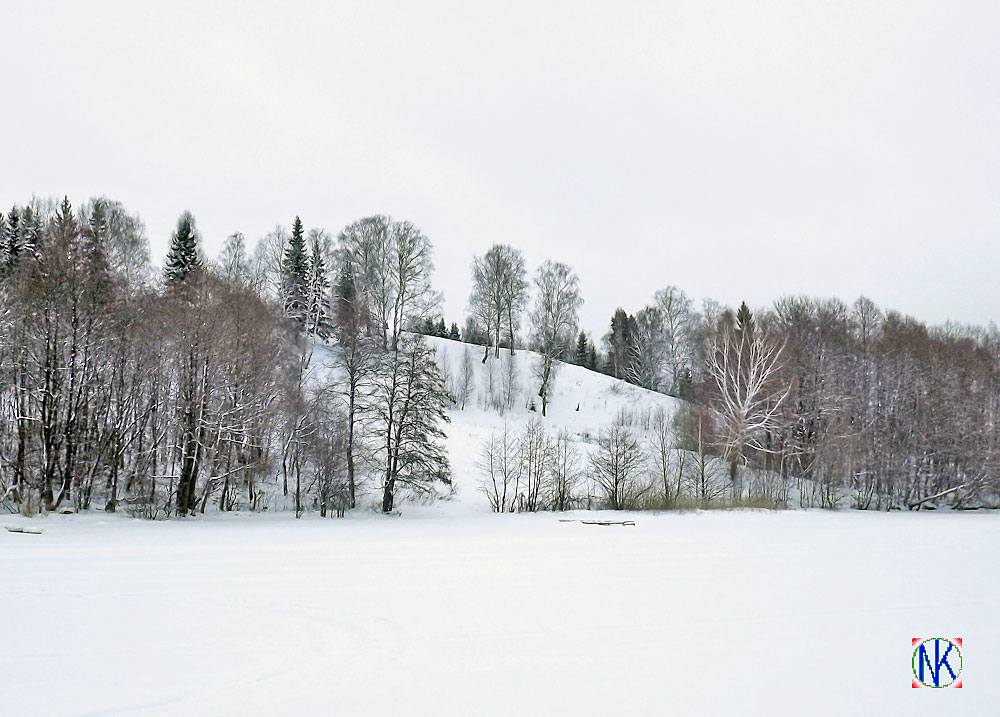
{"x": 700, "y": 613}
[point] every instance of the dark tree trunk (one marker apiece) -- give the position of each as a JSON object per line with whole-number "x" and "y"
{"x": 387, "y": 495}
{"x": 350, "y": 448}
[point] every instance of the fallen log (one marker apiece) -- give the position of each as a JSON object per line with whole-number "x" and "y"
{"x": 20, "y": 529}
{"x": 936, "y": 495}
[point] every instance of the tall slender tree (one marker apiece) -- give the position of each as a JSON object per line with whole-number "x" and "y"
{"x": 580, "y": 357}
{"x": 295, "y": 275}
{"x": 555, "y": 317}
{"x": 317, "y": 287}
{"x": 356, "y": 356}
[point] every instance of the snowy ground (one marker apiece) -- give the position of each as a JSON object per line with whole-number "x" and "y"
{"x": 702, "y": 613}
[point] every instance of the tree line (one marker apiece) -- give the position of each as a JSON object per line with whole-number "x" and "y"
{"x": 808, "y": 399}
{"x": 293, "y": 374}
{"x": 281, "y": 377}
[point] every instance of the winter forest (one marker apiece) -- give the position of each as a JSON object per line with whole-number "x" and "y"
{"x": 305, "y": 372}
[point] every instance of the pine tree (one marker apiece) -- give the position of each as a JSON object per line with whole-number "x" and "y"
{"x": 295, "y": 275}
{"x": 183, "y": 259}
{"x": 454, "y": 334}
{"x": 580, "y": 359}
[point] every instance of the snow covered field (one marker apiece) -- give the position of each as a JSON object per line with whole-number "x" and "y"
{"x": 701, "y": 613}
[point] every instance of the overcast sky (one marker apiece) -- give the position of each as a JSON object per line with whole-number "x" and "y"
{"x": 736, "y": 150}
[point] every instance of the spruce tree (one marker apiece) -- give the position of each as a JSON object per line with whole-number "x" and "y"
{"x": 427, "y": 329}
{"x": 98, "y": 221}
{"x": 440, "y": 330}
{"x": 12, "y": 243}
{"x": 619, "y": 340}
{"x": 345, "y": 296}
{"x": 319, "y": 322}
{"x": 31, "y": 231}
{"x": 183, "y": 259}
{"x": 65, "y": 221}
{"x": 744, "y": 321}
{"x": 454, "y": 334}
{"x": 580, "y": 359}
{"x": 295, "y": 275}
{"x": 592, "y": 358}
{"x": 65, "y": 232}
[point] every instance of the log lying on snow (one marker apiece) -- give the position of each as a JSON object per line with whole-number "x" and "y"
{"x": 936, "y": 495}
{"x": 19, "y": 529}
{"x": 598, "y": 522}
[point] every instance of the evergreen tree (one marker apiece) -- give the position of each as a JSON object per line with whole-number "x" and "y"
{"x": 427, "y": 328}
{"x": 31, "y": 231}
{"x": 183, "y": 259}
{"x": 619, "y": 339}
{"x": 743, "y": 345}
{"x": 121, "y": 236}
{"x": 98, "y": 220}
{"x": 12, "y": 240}
{"x": 580, "y": 358}
{"x": 592, "y": 358}
{"x": 685, "y": 385}
{"x": 345, "y": 297}
{"x": 295, "y": 275}
{"x": 85, "y": 250}
{"x": 454, "y": 334}
{"x": 440, "y": 330}
{"x": 744, "y": 321}
{"x": 319, "y": 322}
{"x": 64, "y": 233}
{"x": 65, "y": 222}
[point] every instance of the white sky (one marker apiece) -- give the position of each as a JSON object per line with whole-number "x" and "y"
{"x": 737, "y": 150}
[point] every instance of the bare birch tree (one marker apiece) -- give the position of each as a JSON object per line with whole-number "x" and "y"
{"x": 554, "y": 317}
{"x": 743, "y": 366}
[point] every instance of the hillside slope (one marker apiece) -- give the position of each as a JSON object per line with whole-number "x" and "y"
{"x": 581, "y": 403}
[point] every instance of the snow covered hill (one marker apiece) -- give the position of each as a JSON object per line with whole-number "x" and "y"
{"x": 504, "y": 391}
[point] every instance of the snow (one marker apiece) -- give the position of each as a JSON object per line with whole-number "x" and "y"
{"x": 796, "y": 612}
{"x": 581, "y": 402}
{"x": 449, "y": 609}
